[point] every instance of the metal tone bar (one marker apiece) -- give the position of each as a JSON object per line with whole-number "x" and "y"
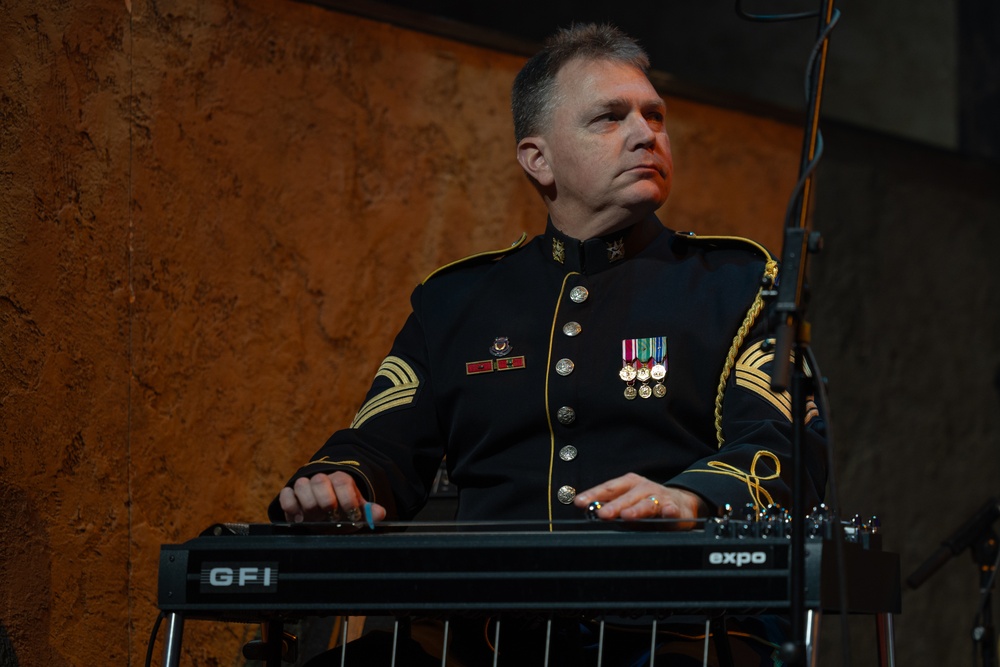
{"x": 886, "y": 640}
{"x": 175, "y": 633}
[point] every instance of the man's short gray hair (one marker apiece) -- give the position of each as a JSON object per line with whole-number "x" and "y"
{"x": 533, "y": 93}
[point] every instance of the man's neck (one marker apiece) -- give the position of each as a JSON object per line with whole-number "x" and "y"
{"x": 593, "y": 225}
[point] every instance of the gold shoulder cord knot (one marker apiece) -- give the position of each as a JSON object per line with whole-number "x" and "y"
{"x": 767, "y": 280}
{"x": 759, "y": 495}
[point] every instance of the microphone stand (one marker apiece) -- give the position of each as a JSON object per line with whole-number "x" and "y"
{"x": 792, "y": 331}
{"x": 976, "y": 534}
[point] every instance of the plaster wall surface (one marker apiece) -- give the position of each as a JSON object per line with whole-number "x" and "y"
{"x": 64, "y": 322}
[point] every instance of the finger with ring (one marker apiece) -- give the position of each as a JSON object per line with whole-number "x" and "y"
{"x": 654, "y": 500}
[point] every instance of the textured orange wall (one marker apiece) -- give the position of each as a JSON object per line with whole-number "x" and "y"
{"x": 64, "y": 353}
{"x": 212, "y": 215}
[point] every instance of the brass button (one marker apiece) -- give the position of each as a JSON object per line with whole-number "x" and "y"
{"x": 579, "y": 294}
{"x": 566, "y": 494}
{"x": 566, "y": 415}
{"x": 568, "y": 453}
{"x": 572, "y": 328}
{"x": 565, "y": 366}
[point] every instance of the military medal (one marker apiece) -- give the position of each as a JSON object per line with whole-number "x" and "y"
{"x": 659, "y": 370}
{"x": 644, "y": 359}
{"x": 628, "y": 372}
{"x": 643, "y": 373}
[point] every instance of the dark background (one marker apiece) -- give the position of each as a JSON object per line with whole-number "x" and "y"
{"x": 926, "y": 71}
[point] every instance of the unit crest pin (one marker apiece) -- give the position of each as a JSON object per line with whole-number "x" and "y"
{"x": 501, "y": 347}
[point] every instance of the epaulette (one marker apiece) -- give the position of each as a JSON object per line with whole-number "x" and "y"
{"x": 728, "y": 241}
{"x": 487, "y": 255}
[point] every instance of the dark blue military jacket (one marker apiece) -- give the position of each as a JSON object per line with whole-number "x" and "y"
{"x": 511, "y": 366}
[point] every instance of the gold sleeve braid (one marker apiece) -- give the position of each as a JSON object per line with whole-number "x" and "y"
{"x": 770, "y": 273}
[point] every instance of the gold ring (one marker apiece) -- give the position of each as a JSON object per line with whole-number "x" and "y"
{"x": 654, "y": 500}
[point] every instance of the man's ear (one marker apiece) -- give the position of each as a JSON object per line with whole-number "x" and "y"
{"x": 532, "y": 154}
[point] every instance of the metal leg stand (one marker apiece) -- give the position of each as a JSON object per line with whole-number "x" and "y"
{"x": 273, "y": 634}
{"x": 175, "y": 633}
{"x": 812, "y": 637}
{"x": 720, "y": 637}
{"x": 886, "y": 640}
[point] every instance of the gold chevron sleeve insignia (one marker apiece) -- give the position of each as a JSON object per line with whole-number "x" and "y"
{"x": 750, "y": 375}
{"x": 402, "y": 391}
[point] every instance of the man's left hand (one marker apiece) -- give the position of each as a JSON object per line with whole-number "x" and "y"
{"x": 633, "y": 497}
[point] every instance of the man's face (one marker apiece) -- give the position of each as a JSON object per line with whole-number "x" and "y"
{"x": 606, "y": 145}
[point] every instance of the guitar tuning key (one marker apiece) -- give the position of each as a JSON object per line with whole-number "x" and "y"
{"x": 818, "y": 521}
{"x": 772, "y": 520}
{"x": 721, "y": 525}
{"x": 747, "y": 526}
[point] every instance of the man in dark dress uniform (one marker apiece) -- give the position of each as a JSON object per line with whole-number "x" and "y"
{"x": 609, "y": 359}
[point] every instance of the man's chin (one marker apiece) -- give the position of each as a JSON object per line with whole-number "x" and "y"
{"x": 648, "y": 201}
{"x": 648, "y": 189}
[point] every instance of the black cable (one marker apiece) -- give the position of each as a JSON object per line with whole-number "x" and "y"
{"x": 800, "y": 186}
{"x": 771, "y": 18}
{"x": 152, "y": 638}
{"x": 811, "y": 167}
{"x": 818, "y": 48}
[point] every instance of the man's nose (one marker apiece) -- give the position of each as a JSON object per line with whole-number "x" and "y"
{"x": 640, "y": 135}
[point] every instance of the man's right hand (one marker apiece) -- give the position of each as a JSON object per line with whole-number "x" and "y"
{"x": 326, "y": 497}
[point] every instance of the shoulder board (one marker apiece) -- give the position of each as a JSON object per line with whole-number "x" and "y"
{"x": 770, "y": 263}
{"x": 733, "y": 240}
{"x": 489, "y": 254}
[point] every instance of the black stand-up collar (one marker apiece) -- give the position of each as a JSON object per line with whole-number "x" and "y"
{"x": 603, "y": 252}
